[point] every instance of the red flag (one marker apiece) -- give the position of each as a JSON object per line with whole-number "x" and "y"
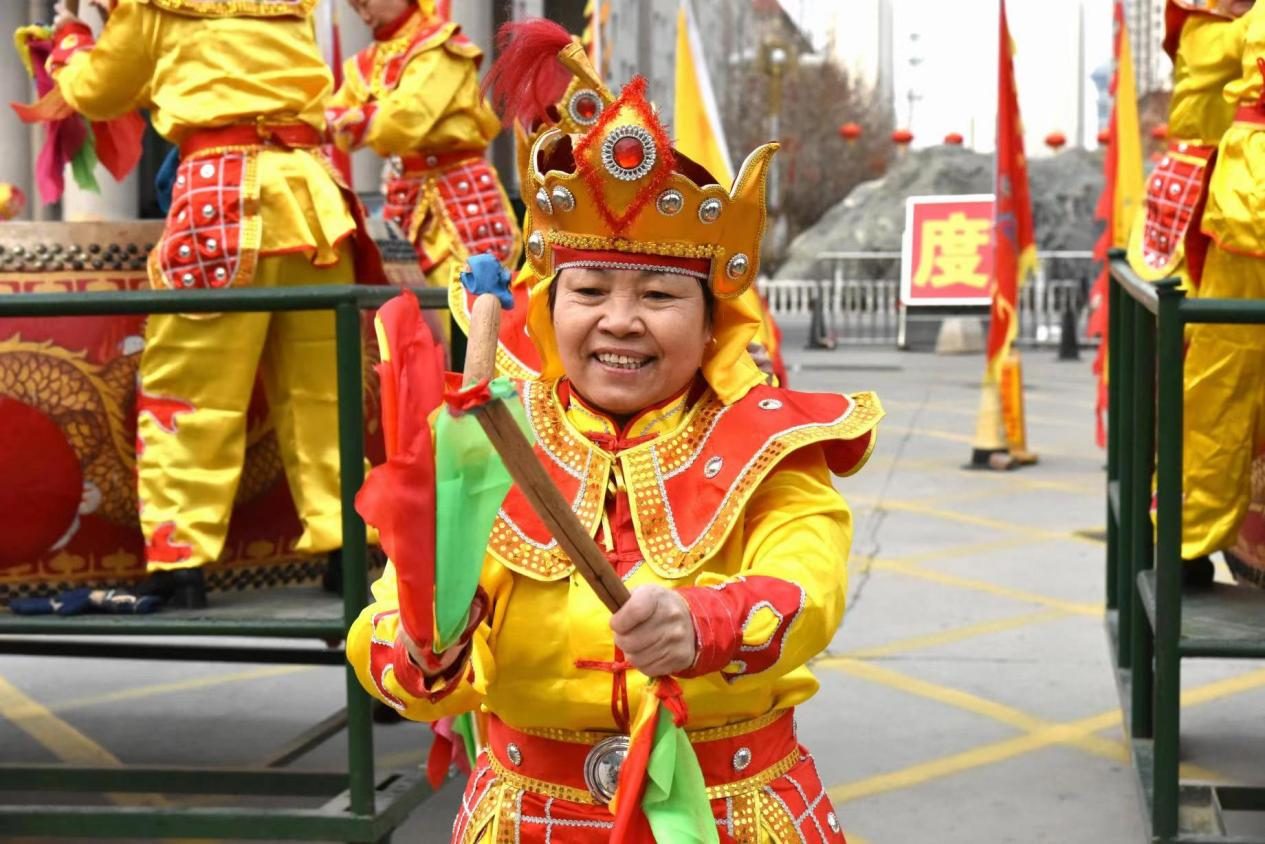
{"x": 1014, "y": 243}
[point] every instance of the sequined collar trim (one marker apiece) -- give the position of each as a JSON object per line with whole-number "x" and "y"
{"x": 402, "y": 27}
{"x": 654, "y": 421}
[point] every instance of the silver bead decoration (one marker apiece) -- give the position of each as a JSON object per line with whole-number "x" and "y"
{"x": 187, "y": 279}
{"x": 207, "y": 171}
{"x": 709, "y": 210}
{"x": 212, "y": 244}
{"x": 1175, "y": 190}
{"x": 432, "y": 160}
{"x": 184, "y": 251}
{"x": 832, "y": 821}
{"x": 463, "y": 187}
{"x": 485, "y": 179}
{"x": 472, "y": 208}
{"x": 514, "y": 754}
{"x": 498, "y": 227}
{"x": 482, "y": 231}
{"x": 770, "y": 404}
{"x": 712, "y": 467}
{"x": 562, "y": 199}
{"x": 180, "y": 218}
{"x": 543, "y": 202}
{"x": 536, "y": 244}
{"x": 738, "y": 266}
{"x": 742, "y": 758}
{"x": 180, "y": 181}
{"x": 220, "y": 273}
{"x": 208, "y": 210}
{"x": 670, "y": 202}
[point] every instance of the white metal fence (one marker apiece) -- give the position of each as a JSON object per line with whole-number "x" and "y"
{"x": 860, "y": 294}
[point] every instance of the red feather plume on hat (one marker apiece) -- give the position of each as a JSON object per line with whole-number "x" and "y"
{"x": 527, "y": 79}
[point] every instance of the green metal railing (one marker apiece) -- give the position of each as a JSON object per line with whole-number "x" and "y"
{"x": 1152, "y": 624}
{"x": 359, "y": 807}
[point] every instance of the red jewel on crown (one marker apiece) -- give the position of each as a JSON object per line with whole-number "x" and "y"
{"x": 628, "y": 153}
{"x": 585, "y": 107}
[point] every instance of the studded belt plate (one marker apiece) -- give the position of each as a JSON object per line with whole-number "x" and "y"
{"x": 601, "y": 767}
{"x": 1173, "y": 192}
{"x": 213, "y": 228}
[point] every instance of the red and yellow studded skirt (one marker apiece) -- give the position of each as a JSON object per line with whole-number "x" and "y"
{"x": 537, "y": 786}
{"x": 452, "y": 204}
{"x": 1169, "y": 233}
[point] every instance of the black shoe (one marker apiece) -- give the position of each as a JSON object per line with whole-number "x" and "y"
{"x": 1197, "y": 573}
{"x": 1244, "y": 572}
{"x": 181, "y": 588}
{"x": 332, "y": 577}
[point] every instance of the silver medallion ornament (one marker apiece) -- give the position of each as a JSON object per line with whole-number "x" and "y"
{"x": 184, "y": 250}
{"x": 770, "y": 404}
{"x": 712, "y": 467}
{"x": 742, "y": 759}
{"x": 207, "y": 171}
{"x": 536, "y": 244}
{"x": 738, "y": 266}
{"x": 601, "y": 767}
{"x": 670, "y": 203}
{"x": 220, "y": 273}
{"x": 187, "y": 279}
{"x": 212, "y": 244}
{"x": 208, "y": 210}
{"x": 543, "y": 202}
{"x": 562, "y": 199}
{"x": 709, "y": 210}
{"x": 628, "y": 153}
{"x": 585, "y": 106}
{"x": 514, "y": 754}
{"x": 832, "y": 821}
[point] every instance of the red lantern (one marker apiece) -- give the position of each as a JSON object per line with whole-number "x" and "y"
{"x": 850, "y": 132}
{"x": 1056, "y": 141}
{"x": 954, "y": 139}
{"x": 1104, "y": 137}
{"x": 1160, "y": 132}
{"x": 902, "y": 137}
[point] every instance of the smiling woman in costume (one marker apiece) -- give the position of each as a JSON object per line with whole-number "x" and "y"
{"x": 710, "y": 492}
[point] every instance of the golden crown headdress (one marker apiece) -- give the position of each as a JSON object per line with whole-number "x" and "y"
{"x": 604, "y": 187}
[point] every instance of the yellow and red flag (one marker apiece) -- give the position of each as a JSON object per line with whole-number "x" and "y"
{"x": 1001, "y": 426}
{"x": 1123, "y": 183}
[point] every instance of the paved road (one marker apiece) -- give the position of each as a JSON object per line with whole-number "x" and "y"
{"x": 966, "y": 698}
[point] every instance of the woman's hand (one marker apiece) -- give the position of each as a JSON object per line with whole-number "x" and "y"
{"x": 655, "y": 631}
{"x": 425, "y": 659}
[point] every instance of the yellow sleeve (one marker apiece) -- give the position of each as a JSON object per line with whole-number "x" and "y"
{"x": 352, "y": 93}
{"x": 112, "y": 78}
{"x": 405, "y": 116}
{"x": 373, "y": 652}
{"x": 786, "y": 601}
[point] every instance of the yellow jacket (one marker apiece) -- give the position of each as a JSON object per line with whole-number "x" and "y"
{"x": 1208, "y": 58}
{"x": 782, "y": 565}
{"x": 1236, "y": 205}
{"x": 415, "y": 91}
{"x": 194, "y": 72}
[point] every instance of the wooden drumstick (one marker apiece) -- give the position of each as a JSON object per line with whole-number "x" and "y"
{"x": 524, "y": 467}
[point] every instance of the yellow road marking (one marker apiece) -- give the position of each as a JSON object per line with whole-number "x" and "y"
{"x": 1078, "y": 733}
{"x": 968, "y": 439}
{"x": 984, "y": 586}
{"x": 944, "y": 637}
{"x": 63, "y": 740}
{"x": 959, "y": 410}
{"x": 968, "y": 519}
{"x": 178, "y": 686}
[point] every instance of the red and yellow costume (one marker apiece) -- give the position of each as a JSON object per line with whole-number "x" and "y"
{"x": 1206, "y": 50}
{"x": 1225, "y": 364}
{"x": 413, "y": 97}
{"x": 723, "y": 492}
{"x": 577, "y": 107}
{"x": 240, "y": 87}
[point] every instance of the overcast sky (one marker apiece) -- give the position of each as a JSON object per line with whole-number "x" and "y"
{"x": 956, "y": 78}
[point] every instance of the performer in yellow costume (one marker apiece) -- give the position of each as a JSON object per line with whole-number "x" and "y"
{"x": 240, "y": 87}
{"x": 413, "y": 97}
{"x": 710, "y": 491}
{"x": 1206, "y": 47}
{"x": 1225, "y": 364}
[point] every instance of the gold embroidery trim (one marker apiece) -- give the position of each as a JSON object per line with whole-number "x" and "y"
{"x": 228, "y": 8}
{"x": 725, "y": 731}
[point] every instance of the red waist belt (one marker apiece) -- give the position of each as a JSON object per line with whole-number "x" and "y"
{"x": 1253, "y": 114}
{"x": 284, "y": 135}
{"x": 584, "y": 767}
{"x": 423, "y": 162}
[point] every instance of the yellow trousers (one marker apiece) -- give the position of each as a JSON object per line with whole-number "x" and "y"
{"x": 1225, "y": 391}
{"x": 196, "y": 379}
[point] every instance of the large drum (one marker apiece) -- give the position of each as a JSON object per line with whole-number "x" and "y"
{"x": 68, "y": 503}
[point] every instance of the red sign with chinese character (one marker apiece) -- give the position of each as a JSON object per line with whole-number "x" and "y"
{"x": 948, "y": 253}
